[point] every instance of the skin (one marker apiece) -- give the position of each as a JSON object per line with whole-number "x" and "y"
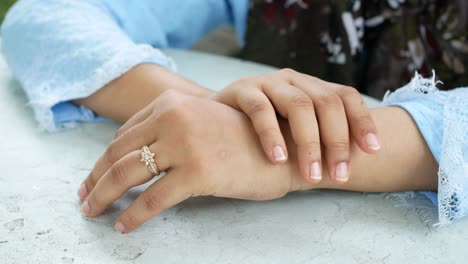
{"x": 136, "y": 89}
{"x": 208, "y": 148}
{"x": 319, "y": 113}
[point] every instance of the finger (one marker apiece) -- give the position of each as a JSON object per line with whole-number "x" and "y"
{"x": 128, "y": 172}
{"x": 334, "y": 132}
{"x": 333, "y": 125}
{"x": 164, "y": 193}
{"x": 298, "y": 108}
{"x": 133, "y": 139}
{"x": 256, "y": 105}
{"x": 134, "y": 120}
{"x": 360, "y": 122}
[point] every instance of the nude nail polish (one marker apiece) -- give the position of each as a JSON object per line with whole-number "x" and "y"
{"x": 82, "y": 192}
{"x": 341, "y": 172}
{"x": 120, "y": 227}
{"x": 85, "y": 208}
{"x": 372, "y": 141}
{"x": 278, "y": 153}
{"x": 315, "y": 172}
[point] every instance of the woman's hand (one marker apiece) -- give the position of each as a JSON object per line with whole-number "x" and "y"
{"x": 206, "y": 148}
{"x": 319, "y": 114}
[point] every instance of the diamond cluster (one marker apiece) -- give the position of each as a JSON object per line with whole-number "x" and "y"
{"x": 148, "y": 158}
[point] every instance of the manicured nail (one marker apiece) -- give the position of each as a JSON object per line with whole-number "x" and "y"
{"x": 341, "y": 172}
{"x": 85, "y": 208}
{"x": 82, "y": 192}
{"x": 372, "y": 141}
{"x": 314, "y": 171}
{"x": 120, "y": 227}
{"x": 278, "y": 153}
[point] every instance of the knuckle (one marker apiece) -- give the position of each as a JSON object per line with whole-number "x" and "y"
{"x": 119, "y": 174}
{"x": 178, "y": 114}
{"x": 310, "y": 145}
{"x": 300, "y": 101}
{"x": 112, "y": 153}
{"x": 330, "y": 100}
{"x": 364, "y": 119}
{"x": 341, "y": 146}
{"x": 268, "y": 132}
{"x": 240, "y": 83}
{"x": 365, "y": 123}
{"x": 171, "y": 95}
{"x": 186, "y": 140}
{"x": 152, "y": 201}
{"x": 350, "y": 92}
{"x": 313, "y": 79}
{"x": 288, "y": 71}
{"x": 256, "y": 106}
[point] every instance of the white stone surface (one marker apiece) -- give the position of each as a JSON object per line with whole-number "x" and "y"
{"x": 40, "y": 220}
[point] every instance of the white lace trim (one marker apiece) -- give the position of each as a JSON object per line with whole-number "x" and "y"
{"x": 417, "y": 86}
{"x": 453, "y": 165}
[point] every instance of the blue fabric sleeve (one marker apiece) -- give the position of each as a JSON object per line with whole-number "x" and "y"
{"x": 442, "y": 119}
{"x": 60, "y": 50}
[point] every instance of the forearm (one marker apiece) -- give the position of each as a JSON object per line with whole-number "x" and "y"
{"x": 403, "y": 163}
{"x": 123, "y": 97}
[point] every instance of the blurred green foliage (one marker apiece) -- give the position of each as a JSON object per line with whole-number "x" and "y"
{"x": 4, "y": 6}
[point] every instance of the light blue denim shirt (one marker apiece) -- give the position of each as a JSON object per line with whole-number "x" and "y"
{"x": 61, "y": 50}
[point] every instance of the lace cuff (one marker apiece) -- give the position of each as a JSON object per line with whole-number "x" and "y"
{"x": 64, "y": 50}
{"x": 442, "y": 118}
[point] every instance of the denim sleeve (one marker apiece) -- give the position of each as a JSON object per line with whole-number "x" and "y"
{"x": 61, "y": 50}
{"x": 442, "y": 119}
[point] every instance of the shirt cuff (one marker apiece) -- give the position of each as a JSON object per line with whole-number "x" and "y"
{"x": 67, "y": 115}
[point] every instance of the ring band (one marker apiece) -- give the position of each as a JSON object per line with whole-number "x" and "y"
{"x": 148, "y": 158}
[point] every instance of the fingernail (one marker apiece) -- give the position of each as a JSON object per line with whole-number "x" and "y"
{"x": 82, "y": 192}
{"x": 85, "y": 208}
{"x": 314, "y": 171}
{"x": 278, "y": 153}
{"x": 120, "y": 227}
{"x": 341, "y": 172}
{"x": 372, "y": 141}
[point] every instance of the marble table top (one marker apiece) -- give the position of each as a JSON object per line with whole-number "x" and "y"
{"x": 40, "y": 220}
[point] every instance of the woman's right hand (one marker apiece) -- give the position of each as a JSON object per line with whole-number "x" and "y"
{"x": 205, "y": 147}
{"x": 320, "y": 114}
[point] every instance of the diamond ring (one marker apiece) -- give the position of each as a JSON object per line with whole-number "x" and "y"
{"x": 148, "y": 158}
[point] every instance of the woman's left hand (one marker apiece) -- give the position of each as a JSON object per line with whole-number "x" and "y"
{"x": 205, "y": 147}
{"x": 320, "y": 114}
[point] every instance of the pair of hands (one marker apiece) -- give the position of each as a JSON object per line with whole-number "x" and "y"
{"x": 209, "y": 148}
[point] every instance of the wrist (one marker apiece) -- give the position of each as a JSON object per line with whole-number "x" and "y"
{"x": 123, "y": 97}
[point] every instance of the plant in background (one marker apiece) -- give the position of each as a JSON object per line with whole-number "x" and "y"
{"x": 4, "y": 6}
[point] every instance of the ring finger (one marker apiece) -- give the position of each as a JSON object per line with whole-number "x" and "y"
{"x": 131, "y": 140}
{"x": 128, "y": 172}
